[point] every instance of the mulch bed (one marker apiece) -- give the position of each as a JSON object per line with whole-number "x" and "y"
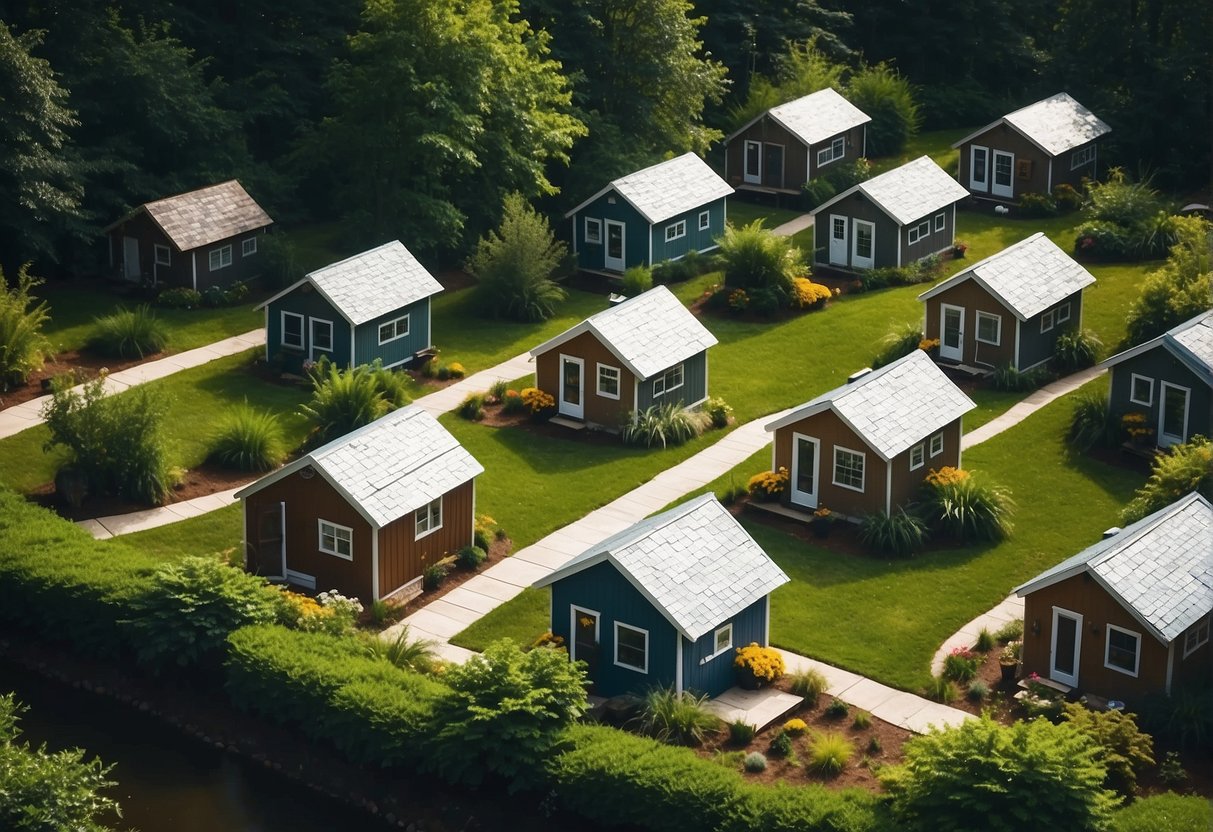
{"x": 83, "y": 364}
{"x": 499, "y": 550}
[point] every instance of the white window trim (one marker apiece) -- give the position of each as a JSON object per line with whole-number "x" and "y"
{"x": 941, "y": 221}
{"x": 982, "y": 184}
{"x": 596, "y": 237}
{"x": 618, "y": 381}
{"x": 302, "y": 330}
{"x": 248, "y": 247}
{"x": 923, "y": 229}
{"x": 645, "y": 633}
{"x": 1133, "y": 378}
{"x": 1082, "y": 157}
{"x": 836, "y": 151}
{"x": 863, "y": 471}
{"x": 675, "y": 231}
{"x": 1201, "y": 632}
{"x": 665, "y": 386}
{"x": 997, "y": 328}
{"x": 1107, "y": 649}
{"x": 395, "y": 324}
{"x": 336, "y": 527}
{"x": 167, "y": 260}
{"x": 705, "y": 220}
{"x": 1046, "y": 321}
{"x": 224, "y": 253}
{"x": 332, "y": 334}
{"x": 937, "y": 444}
{"x": 720, "y": 651}
{"x": 921, "y": 450}
{"x": 1063, "y": 313}
{"x": 429, "y": 529}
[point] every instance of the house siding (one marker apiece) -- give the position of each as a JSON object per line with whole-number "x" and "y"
{"x": 1036, "y": 347}
{"x": 1062, "y": 172}
{"x": 695, "y": 240}
{"x": 402, "y": 557}
{"x": 971, "y": 297}
{"x": 768, "y": 131}
{"x": 1004, "y": 138}
{"x": 1160, "y": 365}
{"x": 856, "y": 206}
{"x": 832, "y": 431}
{"x": 611, "y": 206}
{"x": 854, "y": 150}
{"x": 932, "y": 243}
{"x": 907, "y": 481}
{"x": 599, "y": 410}
{"x": 311, "y": 304}
{"x": 366, "y": 337}
{"x": 715, "y": 676}
{"x": 180, "y": 272}
{"x": 694, "y": 384}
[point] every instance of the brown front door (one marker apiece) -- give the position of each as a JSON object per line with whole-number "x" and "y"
{"x": 269, "y": 557}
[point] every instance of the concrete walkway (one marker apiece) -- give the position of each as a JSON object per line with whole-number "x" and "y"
{"x": 1016, "y": 413}
{"x": 19, "y": 417}
{"x": 794, "y": 226}
{"x": 1008, "y": 609}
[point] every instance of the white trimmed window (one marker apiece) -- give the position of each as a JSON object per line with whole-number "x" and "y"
{"x": 220, "y": 258}
{"x": 292, "y": 330}
{"x": 336, "y": 540}
{"x": 608, "y": 381}
{"x": 941, "y": 221}
{"x": 923, "y": 229}
{"x": 1141, "y": 390}
{"x": 593, "y": 230}
{"x": 322, "y": 335}
{"x": 1046, "y": 321}
{"x": 675, "y": 231}
{"x": 1196, "y": 637}
{"x": 705, "y": 220}
{"x": 989, "y": 328}
{"x": 937, "y": 444}
{"x": 1122, "y": 650}
{"x": 164, "y": 255}
{"x": 671, "y": 379}
{"x": 1063, "y": 313}
{"x": 248, "y": 247}
{"x": 391, "y": 330}
{"x": 429, "y": 518}
{"x": 848, "y": 468}
{"x": 1082, "y": 156}
{"x": 917, "y": 456}
{"x": 632, "y": 647}
{"x": 836, "y": 150}
{"x": 722, "y": 642}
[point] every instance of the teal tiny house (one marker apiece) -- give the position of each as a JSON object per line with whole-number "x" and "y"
{"x": 666, "y": 602}
{"x": 374, "y": 305}
{"x": 658, "y": 213}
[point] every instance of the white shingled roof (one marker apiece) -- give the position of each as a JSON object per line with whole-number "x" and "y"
{"x": 1027, "y": 277}
{"x": 1160, "y": 568}
{"x": 205, "y": 216}
{"x": 664, "y": 190}
{"x": 1191, "y": 342}
{"x": 648, "y": 333}
{"x": 815, "y": 117}
{"x": 694, "y": 563}
{"x": 390, "y": 467}
{"x": 891, "y": 408}
{"x": 371, "y": 284}
{"x": 1054, "y": 124}
{"x": 908, "y": 193}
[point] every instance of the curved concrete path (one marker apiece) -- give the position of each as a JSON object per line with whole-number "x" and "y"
{"x": 1033, "y": 402}
{"x": 1007, "y": 610}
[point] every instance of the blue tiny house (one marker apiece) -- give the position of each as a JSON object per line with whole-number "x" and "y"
{"x": 666, "y": 602}
{"x": 659, "y": 213}
{"x": 374, "y": 305}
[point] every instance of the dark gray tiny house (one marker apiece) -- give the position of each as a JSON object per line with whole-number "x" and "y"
{"x": 374, "y": 305}
{"x": 666, "y": 602}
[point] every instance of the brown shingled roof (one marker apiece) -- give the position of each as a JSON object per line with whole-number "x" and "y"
{"x": 207, "y": 215}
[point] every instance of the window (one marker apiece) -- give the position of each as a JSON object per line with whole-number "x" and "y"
{"x": 292, "y": 330}
{"x": 723, "y": 640}
{"x": 164, "y": 256}
{"x": 1063, "y": 313}
{"x": 676, "y": 231}
{"x": 1082, "y": 156}
{"x": 836, "y": 150}
{"x": 429, "y": 518}
{"x": 1141, "y": 390}
{"x": 848, "y": 469}
{"x": 631, "y": 648}
{"x": 608, "y": 381}
{"x": 336, "y": 540}
{"x": 392, "y": 330}
{"x": 941, "y": 221}
{"x": 671, "y": 379}
{"x": 1023, "y": 168}
{"x": 1046, "y": 321}
{"x": 1123, "y": 649}
{"x": 917, "y": 456}
{"x": 248, "y": 247}
{"x": 322, "y": 335}
{"x": 989, "y": 328}
{"x": 705, "y": 220}
{"x": 923, "y": 229}
{"x": 220, "y": 258}
{"x": 1196, "y": 637}
{"x": 937, "y": 444}
{"x": 593, "y": 230}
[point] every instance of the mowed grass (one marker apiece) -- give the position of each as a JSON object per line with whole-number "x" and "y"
{"x": 215, "y": 532}
{"x": 523, "y": 619}
{"x": 743, "y": 212}
{"x": 934, "y": 143}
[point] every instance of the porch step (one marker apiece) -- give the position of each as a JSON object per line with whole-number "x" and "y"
{"x": 565, "y": 422}
{"x": 1063, "y": 689}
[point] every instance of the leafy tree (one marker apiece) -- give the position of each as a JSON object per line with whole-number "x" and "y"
{"x": 41, "y": 791}
{"x": 23, "y": 347}
{"x": 1027, "y": 774}
{"x": 802, "y": 70}
{"x": 1184, "y": 468}
{"x": 759, "y": 260}
{"x": 515, "y": 265}
{"x": 889, "y": 99}
{"x": 1180, "y": 290}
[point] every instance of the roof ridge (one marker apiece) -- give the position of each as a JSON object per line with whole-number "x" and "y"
{"x": 665, "y": 518}
{"x": 344, "y": 260}
{"x": 400, "y": 414}
{"x": 1135, "y": 531}
{"x": 191, "y": 191}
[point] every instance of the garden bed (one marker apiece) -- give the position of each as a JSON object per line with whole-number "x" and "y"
{"x": 85, "y": 365}
{"x": 499, "y": 550}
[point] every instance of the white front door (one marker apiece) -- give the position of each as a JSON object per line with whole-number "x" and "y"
{"x": 753, "y": 163}
{"x": 612, "y": 257}
{"x": 1065, "y": 649}
{"x": 806, "y": 462}
{"x": 1172, "y": 415}
{"x": 1004, "y": 168}
{"x": 572, "y": 387}
{"x": 979, "y": 168}
{"x": 838, "y": 240}
{"x": 863, "y": 252}
{"x": 130, "y": 258}
{"x": 951, "y": 332}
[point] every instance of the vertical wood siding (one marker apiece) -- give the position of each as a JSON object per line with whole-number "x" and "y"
{"x": 694, "y": 384}
{"x": 972, "y": 298}
{"x": 366, "y": 337}
{"x": 1001, "y": 137}
{"x": 857, "y": 206}
{"x": 1036, "y": 347}
{"x": 636, "y": 236}
{"x": 402, "y": 557}
{"x": 599, "y": 410}
{"x": 767, "y": 130}
{"x": 695, "y": 240}
{"x": 717, "y": 675}
{"x": 308, "y": 302}
{"x": 832, "y": 431}
{"x": 1161, "y": 365}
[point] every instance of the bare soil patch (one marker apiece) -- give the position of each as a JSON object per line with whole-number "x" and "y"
{"x": 85, "y": 366}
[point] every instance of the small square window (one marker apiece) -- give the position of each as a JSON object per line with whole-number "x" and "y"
{"x": 1141, "y": 390}
{"x": 1196, "y": 637}
{"x": 848, "y": 469}
{"x": 723, "y": 639}
{"x": 917, "y": 456}
{"x": 292, "y": 330}
{"x": 248, "y": 247}
{"x": 336, "y": 540}
{"x": 1063, "y": 313}
{"x": 941, "y": 221}
{"x": 429, "y": 518}
{"x": 1046, "y": 321}
{"x": 608, "y": 381}
{"x": 675, "y": 231}
{"x": 164, "y": 255}
{"x": 705, "y": 220}
{"x": 937, "y": 444}
{"x": 220, "y": 258}
{"x": 1123, "y": 649}
{"x": 593, "y": 230}
{"x": 989, "y": 328}
{"x": 631, "y": 648}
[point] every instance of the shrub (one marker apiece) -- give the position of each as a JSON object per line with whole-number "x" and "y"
{"x": 331, "y": 613}
{"x": 762, "y": 664}
{"x": 817, "y": 191}
{"x": 1076, "y": 350}
{"x": 1012, "y": 380}
{"x": 515, "y": 265}
{"x": 1037, "y": 205}
{"x": 862, "y": 721}
{"x": 795, "y": 726}
{"x": 23, "y": 347}
{"x": 404, "y": 651}
{"x": 809, "y": 683}
{"x": 900, "y": 534}
{"x": 472, "y": 408}
{"x": 837, "y": 709}
{"x": 179, "y": 297}
{"x": 834, "y": 180}
{"x": 128, "y": 333}
{"x": 512, "y": 403}
{"x": 1169, "y": 811}
{"x": 345, "y": 400}
{"x": 718, "y": 411}
{"x": 214, "y": 297}
{"x": 978, "y": 691}
{"x": 1183, "y": 719}
{"x": 1180, "y": 290}
{"x": 1067, "y": 198}
{"x": 960, "y": 665}
{"x": 537, "y": 402}
{"x": 433, "y": 575}
{"x": 940, "y": 689}
{"x": 1093, "y": 424}
{"x": 676, "y": 718}
{"x": 889, "y": 99}
{"x": 1122, "y": 202}
{"x": 384, "y": 612}
{"x": 248, "y": 440}
{"x": 636, "y": 281}
{"x": 1011, "y": 631}
{"x": 985, "y": 641}
{"x": 1126, "y": 751}
{"x": 1103, "y": 241}
{"x": 279, "y": 262}
{"x": 754, "y": 762}
{"x": 662, "y": 424}
{"x": 741, "y": 733}
{"x": 958, "y": 505}
{"x": 497, "y": 390}
{"x": 455, "y": 370}
{"x": 781, "y": 745}
{"x": 1181, "y": 470}
{"x": 754, "y": 259}
{"x": 898, "y": 343}
{"x": 471, "y": 557}
{"x": 830, "y": 754}
{"x": 809, "y": 295}
{"x": 1171, "y": 769}
{"x": 874, "y": 745}
{"x": 768, "y": 485}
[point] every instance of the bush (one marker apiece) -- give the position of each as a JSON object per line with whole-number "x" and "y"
{"x": 1104, "y": 241}
{"x": 829, "y": 754}
{"x": 978, "y": 691}
{"x": 1126, "y": 751}
{"x": 862, "y": 721}
{"x": 889, "y": 99}
{"x": 817, "y": 191}
{"x": 957, "y": 505}
{"x": 179, "y": 297}
{"x": 128, "y": 333}
{"x": 472, "y": 408}
{"x": 1011, "y": 631}
{"x": 471, "y": 557}
{"x": 718, "y": 411}
{"x": 515, "y": 265}
{"x": 497, "y": 390}
{"x": 985, "y": 641}
{"x": 1122, "y": 202}
{"x": 809, "y": 295}
{"x": 23, "y": 347}
{"x": 754, "y": 259}
{"x": 781, "y": 745}
{"x": 900, "y": 534}
{"x": 636, "y": 281}
{"x": 754, "y": 762}
{"x": 1012, "y": 380}
{"x": 834, "y": 180}
{"x": 512, "y": 403}
{"x": 940, "y": 689}
{"x": 279, "y": 261}
{"x": 213, "y": 297}
{"x": 1181, "y": 470}
{"x": 404, "y": 651}
{"x": 433, "y": 575}
{"x": 1177, "y": 292}
{"x": 960, "y": 665}
{"x": 1093, "y": 424}
{"x": 1183, "y": 719}
{"x": 768, "y": 485}
{"x": 676, "y": 718}
{"x": 1167, "y": 811}
{"x": 1037, "y": 205}
{"x": 809, "y": 683}
{"x": 662, "y": 424}
{"x": 1067, "y": 198}
{"x": 1076, "y": 351}
{"x": 837, "y": 709}
{"x": 741, "y": 733}
{"x": 898, "y": 343}
{"x": 1049, "y": 773}
{"x": 345, "y": 400}
{"x": 761, "y": 664}
{"x": 248, "y": 440}
{"x": 537, "y": 402}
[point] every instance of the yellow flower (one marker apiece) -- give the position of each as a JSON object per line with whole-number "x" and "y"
{"x": 947, "y": 475}
{"x": 764, "y": 663}
{"x": 795, "y": 726}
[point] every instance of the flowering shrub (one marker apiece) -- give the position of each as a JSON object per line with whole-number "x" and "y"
{"x": 1135, "y": 425}
{"x": 928, "y": 344}
{"x": 768, "y": 485}
{"x": 512, "y": 402}
{"x": 823, "y": 513}
{"x": 331, "y": 613}
{"x": 718, "y": 411}
{"x": 763, "y": 664}
{"x": 549, "y": 639}
{"x": 957, "y": 505}
{"x": 809, "y": 295}
{"x": 960, "y": 665}
{"x": 739, "y": 301}
{"x": 795, "y": 727}
{"x": 455, "y": 370}
{"x": 947, "y": 475}
{"x": 537, "y": 401}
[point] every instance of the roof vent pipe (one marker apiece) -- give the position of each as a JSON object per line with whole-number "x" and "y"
{"x": 858, "y": 374}
{"x": 1112, "y": 532}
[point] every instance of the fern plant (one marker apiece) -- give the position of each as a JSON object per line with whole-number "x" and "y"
{"x": 23, "y": 347}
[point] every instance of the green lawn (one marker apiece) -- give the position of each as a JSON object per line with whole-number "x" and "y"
{"x": 934, "y": 143}
{"x": 743, "y": 212}
{"x": 215, "y": 531}
{"x": 523, "y": 619}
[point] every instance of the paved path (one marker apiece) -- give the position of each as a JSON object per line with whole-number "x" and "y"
{"x": 1008, "y": 609}
{"x": 1034, "y": 402}
{"x": 19, "y": 417}
{"x": 794, "y": 226}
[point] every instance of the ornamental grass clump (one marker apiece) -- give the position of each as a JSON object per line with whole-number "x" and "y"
{"x": 676, "y": 718}
{"x": 345, "y": 400}
{"x": 128, "y": 333}
{"x": 248, "y": 440}
{"x": 23, "y": 347}
{"x": 754, "y": 762}
{"x": 898, "y": 343}
{"x": 1076, "y": 350}
{"x": 664, "y": 425}
{"x": 760, "y": 263}
{"x": 960, "y": 665}
{"x": 957, "y": 505}
{"x": 809, "y": 683}
{"x": 830, "y": 753}
{"x": 1093, "y": 424}
{"x": 900, "y": 534}
{"x": 404, "y": 651}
